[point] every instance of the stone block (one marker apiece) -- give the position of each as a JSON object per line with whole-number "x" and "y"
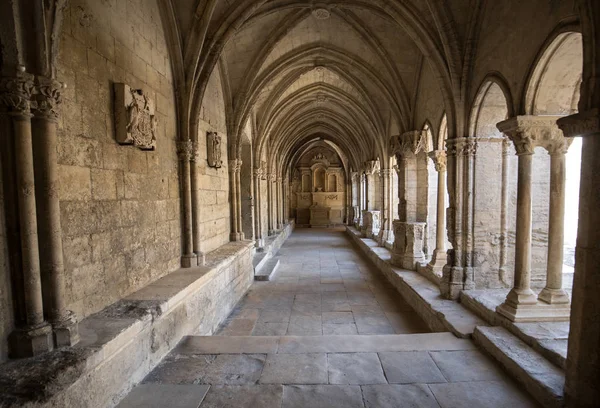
{"x": 75, "y": 183}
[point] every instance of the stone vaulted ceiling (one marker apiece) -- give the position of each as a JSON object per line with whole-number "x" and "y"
{"x": 344, "y": 71}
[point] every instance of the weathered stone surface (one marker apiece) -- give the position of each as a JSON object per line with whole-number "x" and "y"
{"x": 161, "y": 395}
{"x": 355, "y": 368}
{"x": 485, "y": 394}
{"x": 410, "y": 368}
{"x": 465, "y": 366}
{"x": 295, "y": 369}
{"x": 392, "y": 396}
{"x": 267, "y": 396}
{"x": 324, "y": 396}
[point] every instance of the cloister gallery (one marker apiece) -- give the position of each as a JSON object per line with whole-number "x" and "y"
{"x": 299, "y": 203}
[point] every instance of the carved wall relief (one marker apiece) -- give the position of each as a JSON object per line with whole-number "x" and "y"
{"x": 135, "y": 121}
{"x": 213, "y": 150}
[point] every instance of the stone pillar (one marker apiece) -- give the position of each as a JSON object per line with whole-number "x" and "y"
{"x": 386, "y": 214}
{"x": 258, "y": 176}
{"x": 526, "y": 132}
{"x": 185, "y": 150}
{"x": 45, "y": 108}
{"x": 270, "y": 180}
{"x": 438, "y": 260}
{"x": 408, "y": 234}
{"x": 235, "y": 167}
{"x": 279, "y": 187}
{"x": 195, "y": 187}
{"x": 554, "y": 293}
{"x": 503, "y": 216}
{"x": 238, "y": 186}
{"x": 361, "y": 194}
{"x": 583, "y": 359}
{"x": 34, "y": 334}
{"x": 371, "y": 170}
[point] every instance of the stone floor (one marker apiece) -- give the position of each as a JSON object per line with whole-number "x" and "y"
{"x": 327, "y": 332}
{"x": 322, "y": 287}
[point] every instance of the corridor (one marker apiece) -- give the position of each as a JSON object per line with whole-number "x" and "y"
{"x": 328, "y": 331}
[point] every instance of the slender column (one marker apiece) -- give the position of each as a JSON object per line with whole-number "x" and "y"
{"x": 438, "y": 259}
{"x": 238, "y": 187}
{"x": 554, "y": 293}
{"x": 185, "y": 151}
{"x": 270, "y": 202}
{"x": 361, "y": 191}
{"x": 526, "y": 132}
{"x": 386, "y": 213}
{"x": 279, "y": 203}
{"x": 234, "y": 169}
{"x": 64, "y": 322}
{"x": 503, "y": 215}
{"x": 195, "y": 187}
{"x": 583, "y": 359}
{"x": 258, "y": 174}
{"x": 35, "y": 336}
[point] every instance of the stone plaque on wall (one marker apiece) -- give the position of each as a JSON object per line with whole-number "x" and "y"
{"x": 135, "y": 122}
{"x": 213, "y": 150}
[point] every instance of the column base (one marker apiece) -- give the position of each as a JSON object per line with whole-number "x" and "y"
{"x": 259, "y": 243}
{"x": 236, "y": 236}
{"x": 384, "y": 236}
{"x": 200, "y": 258}
{"x": 554, "y": 296}
{"x": 438, "y": 261}
{"x": 522, "y": 307}
{"x": 451, "y": 283}
{"x": 408, "y": 244}
{"x": 30, "y": 342}
{"x": 189, "y": 261}
{"x": 66, "y": 332}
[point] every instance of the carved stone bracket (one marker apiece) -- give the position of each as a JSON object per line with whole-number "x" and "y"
{"x": 528, "y": 132}
{"x": 185, "y": 150}
{"x": 213, "y": 150}
{"x": 16, "y": 91}
{"x": 439, "y": 160}
{"x": 258, "y": 173}
{"x": 47, "y": 98}
{"x": 135, "y": 121}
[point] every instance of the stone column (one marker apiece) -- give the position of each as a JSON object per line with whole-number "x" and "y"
{"x": 34, "y": 334}
{"x": 583, "y": 359}
{"x": 45, "y": 108}
{"x": 258, "y": 175}
{"x": 386, "y": 213}
{"x": 526, "y": 132}
{"x": 185, "y": 150}
{"x": 270, "y": 180}
{"x": 195, "y": 187}
{"x": 408, "y": 234}
{"x": 279, "y": 186}
{"x": 439, "y": 258}
{"x": 235, "y": 166}
{"x": 361, "y": 194}
{"x": 503, "y": 215}
{"x": 554, "y": 293}
{"x": 238, "y": 186}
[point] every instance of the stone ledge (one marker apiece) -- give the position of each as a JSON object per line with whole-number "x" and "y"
{"x": 547, "y": 338}
{"x": 272, "y": 245}
{"x": 125, "y": 341}
{"x": 540, "y": 378}
{"x": 420, "y": 293}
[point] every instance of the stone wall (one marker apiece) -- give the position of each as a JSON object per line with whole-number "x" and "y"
{"x": 120, "y": 205}
{"x": 213, "y": 183}
{"x": 6, "y": 317}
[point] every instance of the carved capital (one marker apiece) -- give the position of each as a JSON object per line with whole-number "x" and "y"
{"x": 371, "y": 167}
{"x": 581, "y": 124}
{"x": 354, "y": 175}
{"x": 408, "y": 144}
{"x": 195, "y": 152}
{"x": 16, "y": 91}
{"x": 258, "y": 172}
{"x": 235, "y": 165}
{"x": 185, "y": 150}
{"x": 439, "y": 160}
{"x": 528, "y": 132}
{"x": 48, "y": 98}
{"x": 272, "y": 177}
{"x": 385, "y": 172}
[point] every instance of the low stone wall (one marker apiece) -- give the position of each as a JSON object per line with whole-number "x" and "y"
{"x": 272, "y": 245}
{"x": 122, "y": 343}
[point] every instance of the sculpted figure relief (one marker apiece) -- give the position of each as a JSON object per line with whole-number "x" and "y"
{"x": 213, "y": 150}
{"x": 135, "y": 120}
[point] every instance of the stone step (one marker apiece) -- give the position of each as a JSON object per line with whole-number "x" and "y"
{"x": 267, "y": 271}
{"x": 259, "y": 260}
{"x": 165, "y": 395}
{"x": 321, "y": 344}
{"x": 540, "y": 377}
